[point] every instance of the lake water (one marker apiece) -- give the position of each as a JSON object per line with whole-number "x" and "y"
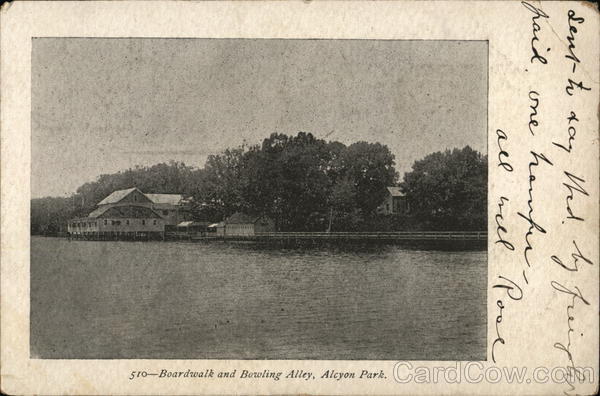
{"x": 134, "y": 300}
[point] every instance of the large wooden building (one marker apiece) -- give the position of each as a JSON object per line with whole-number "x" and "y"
{"x": 131, "y": 214}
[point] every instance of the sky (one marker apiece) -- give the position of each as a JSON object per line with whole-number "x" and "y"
{"x": 105, "y": 105}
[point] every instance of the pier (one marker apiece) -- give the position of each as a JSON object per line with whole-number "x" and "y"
{"x": 435, "y": 239}
{"x": 361, "y": 236}
{"x": 446, "y": 239}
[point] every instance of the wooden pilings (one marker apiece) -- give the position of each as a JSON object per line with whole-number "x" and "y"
{"x": 117, "y": 236}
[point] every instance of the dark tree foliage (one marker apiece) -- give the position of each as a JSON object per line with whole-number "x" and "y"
{"x": 370, "y": 167}
{"x": 448, "y": 191}
{"x": 218, "y": 188}
{"x": 287, "y": 179}
{"x": 49, "y": 215}
{"x": 303, "y": 183}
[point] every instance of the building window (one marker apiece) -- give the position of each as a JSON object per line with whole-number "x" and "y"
{"x": 165, "y": 212}
{"x": 127, "y": 222}
{"x": 143, "y": 222}
{"x": 105, "y": 222}
{"x": 154, "y": 222}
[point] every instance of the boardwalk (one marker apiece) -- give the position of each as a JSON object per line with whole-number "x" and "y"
{"x": 360, "y": 236}
{"x": 454, "y": 239}
{"x": 425, "y": 238}
{"x": 413, "y": 236}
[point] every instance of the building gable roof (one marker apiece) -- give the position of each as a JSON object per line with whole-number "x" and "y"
{"x": 159, "y": 199}
{"x": 118, "y": 195}
{"x": 395, "y": 191}
{"x": 171, "y": 199}
{"x": 98, "y": 212}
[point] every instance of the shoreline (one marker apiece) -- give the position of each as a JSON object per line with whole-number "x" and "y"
{"x": 452, "y": 241}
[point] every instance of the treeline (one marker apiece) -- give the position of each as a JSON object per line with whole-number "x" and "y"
{"x": 304, "y": 184}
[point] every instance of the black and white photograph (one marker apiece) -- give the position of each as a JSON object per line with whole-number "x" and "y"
{"x": 265, "y": 199}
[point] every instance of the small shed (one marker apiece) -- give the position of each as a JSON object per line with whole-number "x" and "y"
{"x": 242, "y": 224}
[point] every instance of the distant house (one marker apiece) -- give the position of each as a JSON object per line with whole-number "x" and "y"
{"x": 130, "y": 214}
{"x": 241, "y": 224}
{"x": 394, "y": 203}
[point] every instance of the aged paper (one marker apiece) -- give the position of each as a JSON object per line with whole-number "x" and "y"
{"x": 327, "y": 288}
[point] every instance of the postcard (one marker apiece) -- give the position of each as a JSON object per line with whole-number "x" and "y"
{"x": 286, "y": 197}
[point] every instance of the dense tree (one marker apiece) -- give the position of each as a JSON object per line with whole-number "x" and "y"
{"x": 217, "y": 192}
{"x": 49, "y": 215}
{"x": 360, "y": 174}
{"x": 287, "y": 180}
{"x": 308, "y": 184}
{"x": 370, "y": 167}
{"x": 448, "y": 190}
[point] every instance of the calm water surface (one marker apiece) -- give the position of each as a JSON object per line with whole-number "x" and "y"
{"x": 93, "y": 300}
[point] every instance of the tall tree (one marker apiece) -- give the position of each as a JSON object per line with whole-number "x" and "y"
{"x": 448, "y": 190}
{"x": 219, "y": 189}
{"x": 287, "y": 179}
{"x": 370, "y": 167}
